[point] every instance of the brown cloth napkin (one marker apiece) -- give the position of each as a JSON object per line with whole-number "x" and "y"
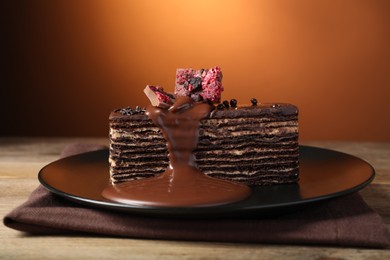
{"x": 346, "y": 221}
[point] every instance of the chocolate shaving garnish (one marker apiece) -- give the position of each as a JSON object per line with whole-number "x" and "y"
{"x": 158, "y": 97}
{"x": 128, "y": 111}
{"x": 182, "y": 103}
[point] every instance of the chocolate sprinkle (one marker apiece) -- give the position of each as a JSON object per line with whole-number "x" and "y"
{"x": 233, "y": 103}
{"x": 220, "y": 106}
{"x": 254, "y": 101}
{"x": 226, "y": 103}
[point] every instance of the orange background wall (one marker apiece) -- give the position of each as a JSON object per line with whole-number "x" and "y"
{"x": 68, "y": 63}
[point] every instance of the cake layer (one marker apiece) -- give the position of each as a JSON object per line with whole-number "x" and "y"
{"x": 255, "y": 145}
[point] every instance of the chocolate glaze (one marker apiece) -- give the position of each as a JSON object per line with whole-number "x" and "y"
{"x": 182, "y": 184}
{"x": 281, "y": 110}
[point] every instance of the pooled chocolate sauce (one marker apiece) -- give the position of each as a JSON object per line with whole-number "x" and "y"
{"x": 182, "y": 184}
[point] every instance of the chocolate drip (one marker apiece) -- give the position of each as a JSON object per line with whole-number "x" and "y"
{"x": 182, "y": 184}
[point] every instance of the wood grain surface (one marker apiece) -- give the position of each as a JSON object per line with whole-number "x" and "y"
{"x": 22, "y": 158}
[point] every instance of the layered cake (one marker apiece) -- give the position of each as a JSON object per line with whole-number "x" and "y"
{"x": 254, "y": 144}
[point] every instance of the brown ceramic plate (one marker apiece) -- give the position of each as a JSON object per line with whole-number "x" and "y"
{"x": 325, "y": 174}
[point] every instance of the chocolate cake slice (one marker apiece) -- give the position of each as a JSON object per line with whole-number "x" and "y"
{"x": 255, "y": 144}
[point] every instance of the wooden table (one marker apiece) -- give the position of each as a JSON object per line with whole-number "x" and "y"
{"x": 22, "y": 158}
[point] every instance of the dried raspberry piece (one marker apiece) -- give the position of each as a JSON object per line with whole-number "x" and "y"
{"x": 212, "y": 85}
{"x": 188, "y": 81}
{"x": 158, "y": 97}
{"x": 201, "y": 84}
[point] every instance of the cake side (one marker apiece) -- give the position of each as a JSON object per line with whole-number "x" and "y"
{"x": 255, "y": 145}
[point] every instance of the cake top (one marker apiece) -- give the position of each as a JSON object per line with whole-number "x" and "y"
{"x": 282, "y": 109}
